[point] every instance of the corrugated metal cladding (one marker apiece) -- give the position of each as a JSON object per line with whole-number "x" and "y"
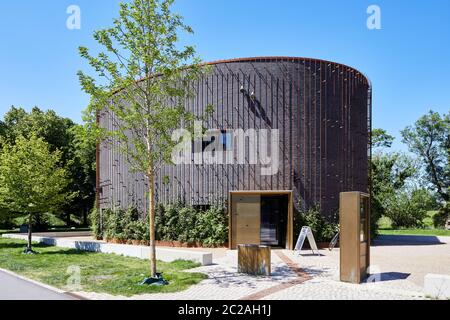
{"x": 322, "y": 110}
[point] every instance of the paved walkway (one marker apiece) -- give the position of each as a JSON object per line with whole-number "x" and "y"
{"x": 14, "y": 288}
{"x": 399, "y": 265}
{"x": 398, "y": 268}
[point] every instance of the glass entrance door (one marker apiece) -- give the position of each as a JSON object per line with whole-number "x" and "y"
{"x": 274, "y": 214}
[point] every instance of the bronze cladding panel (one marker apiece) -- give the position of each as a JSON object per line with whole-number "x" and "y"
{"x": 246, "y": 219}
{"x": 365, "y": 247}
{"x": 354, "y": 250}
{"x": 321, "y": 109}
{"x": 349, "y": 241}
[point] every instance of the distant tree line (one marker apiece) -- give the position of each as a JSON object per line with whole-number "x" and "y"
{"x": 405, "y": 186}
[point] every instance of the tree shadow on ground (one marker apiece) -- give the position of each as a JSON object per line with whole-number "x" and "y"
{"x": 15, "y": 245}
{"x": 224, "y": 278}
{"x": 406, "y": 240}
{"x": 66, "y": 251}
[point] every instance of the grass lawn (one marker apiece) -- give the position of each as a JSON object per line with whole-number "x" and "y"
{"x": 417, "y": 232}
{"x": 2, "y": 231}
{"x": 385, "y": 227}
{"x": 100, "y": 272}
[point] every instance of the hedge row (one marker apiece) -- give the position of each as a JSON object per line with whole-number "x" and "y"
{"x": 176, "y": 222}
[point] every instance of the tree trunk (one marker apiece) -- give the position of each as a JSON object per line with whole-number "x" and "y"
{"x": 30, "y": 222}
{"x": 151, "y": 216}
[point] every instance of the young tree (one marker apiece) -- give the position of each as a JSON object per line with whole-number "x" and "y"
{"x": 429, "y": 140}
{"x": 31, "y": 181}
{"x": 143, "y": 82}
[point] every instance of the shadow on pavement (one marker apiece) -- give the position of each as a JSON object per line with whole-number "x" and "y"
{"x": 404, "y": 240}
{"x": 227, "y": 278}
{"x": 390, "y": 276}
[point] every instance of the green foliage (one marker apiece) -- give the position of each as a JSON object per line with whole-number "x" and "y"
{"x": 187, "y": 224}
{"x": 418, "y": 232}
{"x": 323, "y": 229}
{"x": 82, "y": 168}
{"x": 95, "y": 222}
{"x": 212, "y": 227}
{"x": 390, "y": 173}
{"x": 429, "y": 140}
{"x": 440, "y": 218}
{"x": 47, "y": 125}
{"x": 408, "y": 210}
{"x": 6, "y": 220}
{"x": 115, "y": 223}
{"x": 32, "y": 182}
{"x": 31, "y": 179}
{"x": 381, "y": 139}
{"x": 77, "y": 150}
{"x": 175, "y": 222}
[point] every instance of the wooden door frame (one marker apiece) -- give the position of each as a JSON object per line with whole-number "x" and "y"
{"x": 290, "y": 222}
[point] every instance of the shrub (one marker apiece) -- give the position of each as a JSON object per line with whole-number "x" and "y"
{"x": 323, "y": 229}
{"x": 376, "y": 213}
{"x": 212, "y": 227}
{"x": 175, "y": 222}
{"x": 112, "y": 223}
{"x": 409, "y": 210}
{"x": 187, "y": 224}
{"x": 188, "y": 219}
{"x": 95, "y": 222}
{"x": 440, "y": 218}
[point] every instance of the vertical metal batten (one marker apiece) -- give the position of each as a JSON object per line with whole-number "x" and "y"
{"x": 325, "y": 130}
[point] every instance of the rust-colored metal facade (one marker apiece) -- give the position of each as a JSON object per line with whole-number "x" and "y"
{"x": 322, "y": 110}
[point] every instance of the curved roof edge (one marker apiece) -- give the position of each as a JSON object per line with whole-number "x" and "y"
{"x": 283, "y": 58}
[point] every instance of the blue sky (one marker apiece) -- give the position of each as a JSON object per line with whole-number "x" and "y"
{"x": 407, "y": 60}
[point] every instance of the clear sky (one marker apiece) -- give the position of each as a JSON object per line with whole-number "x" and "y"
{"x": 407, "y": 60}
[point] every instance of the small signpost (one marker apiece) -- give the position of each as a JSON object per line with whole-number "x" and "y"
{"x": 306, "y": 233}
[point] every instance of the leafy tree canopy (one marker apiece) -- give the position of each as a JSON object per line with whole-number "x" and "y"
{"x": 381, "y": 139}
{"x": 77, "y": 150}
{"x": 429, "y": 140}
{"x": 47, "y": 125}
{"x": 31, "y": 179}
{"x": 32, "y": 182}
